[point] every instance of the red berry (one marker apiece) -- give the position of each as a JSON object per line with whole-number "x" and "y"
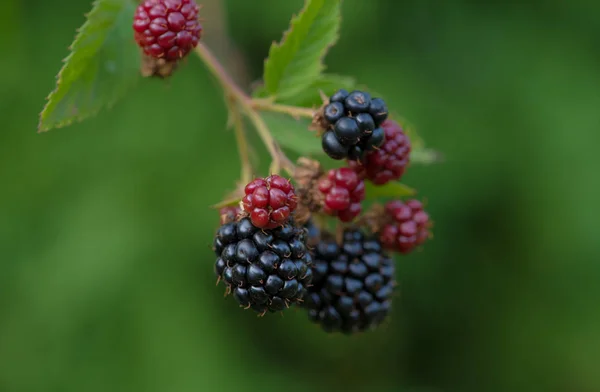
{"x": 389, "y": 162}
{"x": 167, "y": 29}
{"x": 269, "y": 201}
{"x": 409, "y": 227}
{"x": 343, "y": 191}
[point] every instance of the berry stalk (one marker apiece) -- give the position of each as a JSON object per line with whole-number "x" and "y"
{"x": 235, "y": 95}
{"x": 295, "y": 111}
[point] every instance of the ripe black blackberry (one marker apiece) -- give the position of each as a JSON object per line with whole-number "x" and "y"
{"x": 353, "y": 283}
{"x": 352, "y": 124}
{"x": 265, "y": 270}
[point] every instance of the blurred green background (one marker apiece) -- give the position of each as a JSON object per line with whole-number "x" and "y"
{"x": 106, "y": 279}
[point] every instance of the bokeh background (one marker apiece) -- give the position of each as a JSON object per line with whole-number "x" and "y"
{"x": 106, "y": 279}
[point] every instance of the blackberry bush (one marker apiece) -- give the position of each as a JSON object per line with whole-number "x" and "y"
{"x": 265, "y": 270}
{"x": 353, "y": 283}
{"x": 270, "y": 221}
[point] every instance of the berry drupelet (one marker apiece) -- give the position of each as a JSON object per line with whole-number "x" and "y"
{"x": 353, "y": 283}
{"x": 229, "y": 214}
{"x": 344, "y": 191}
{"x": 265, "y": 270}
{"x": 389, "y": 162}
{"x": 167, "y": 29}
{"x": 407, "y": 228}
{"x": 269, "y": 201}
{"x": 352, "y": 121}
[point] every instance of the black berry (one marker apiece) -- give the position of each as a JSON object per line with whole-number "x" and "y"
{"x": 339, "y": 96}
{"x": 353, "y": 118}
{"x": 332, "y": 146}
{"x": 347, "y": 131}
{"x": 264, "y": 269}
{"x": 378, "y": 109}
{"x": 353, "y": 283}
{"x": 357, "y": 102}
{"x": 333, "y": 112}
{"x": 374, "y": 140}
{"x": 389, "y": 161}
{"x": 365, "y": 122}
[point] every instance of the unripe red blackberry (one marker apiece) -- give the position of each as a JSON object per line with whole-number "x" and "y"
{"x": 265, "y": 270}
{"x": 353, "y": 283}
{"x": 389, "y": 161}
{"x": 269, "y": 201}
{"x": 167, "y": 29}
{"x": 408, "y": 226}
{"x": 344, "y": 191}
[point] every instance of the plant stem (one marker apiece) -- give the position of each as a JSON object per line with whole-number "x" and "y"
{"x": 242, "y": 142}
{"x": 294, "y": 111}
{"x": 213, "y": 65}
{"x": 236, "y": 95}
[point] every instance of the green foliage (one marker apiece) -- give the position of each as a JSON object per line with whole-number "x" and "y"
{"x": 293, "y": 134}
{"x": 297, "y": 61}
{"x": 102, "y": 66}
{"x": 391, "y": 190}
{"x": 326, "y": 84}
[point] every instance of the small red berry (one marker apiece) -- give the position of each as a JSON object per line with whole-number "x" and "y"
{"x": 389, "y": 162}
{"x": 344, "y": 191}
{"x": 269, "y": 201}
{"x": 409, "y": 226}
{"x": 167, "y": 29}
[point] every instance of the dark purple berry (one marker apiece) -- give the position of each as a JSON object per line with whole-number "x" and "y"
{"x": 357, "y": 102}
{"x": 353, "y": 283}
{"x": 378, "y": 109}
{"x": 333, "y": 112}
{"x": 264, "y": 269}
{"x": 332, "y": 146}
{"x": 339, "y": 96}
{"x": 365, "y": 122}
{"x": 374, "y": 141}
{"x": 347, "y": 131}
{"x": 356, "y": 153}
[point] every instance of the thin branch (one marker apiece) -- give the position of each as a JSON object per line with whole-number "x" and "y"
{"x": 236, "y": 95}
{"x": 297, "y": 112}
{"x": 219, "y": 72}
{"x": 242, "y": 143}
{"x": 280, "y": 160}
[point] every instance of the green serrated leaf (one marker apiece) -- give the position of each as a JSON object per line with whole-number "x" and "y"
{"x": 326, "y": 83}
{"x": 296, "y": 62}
{"x": 103, "y": 64}
{"x": 293, "y": 134}
{"x": 389, "y": 190}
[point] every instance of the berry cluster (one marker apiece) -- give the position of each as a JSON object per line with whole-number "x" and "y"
{"x": 167, "y": 29}
{"x": 408, "y": 226}
{"x": 352, "y": 121}
{"x": 266, "y": 270}
{"x": 353, "y": 283}
{"x": 269, "y": 201}
{"x": 344, "y": 192}
{"x": 270, "y": 253}
{"x": 389, "y": 162}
